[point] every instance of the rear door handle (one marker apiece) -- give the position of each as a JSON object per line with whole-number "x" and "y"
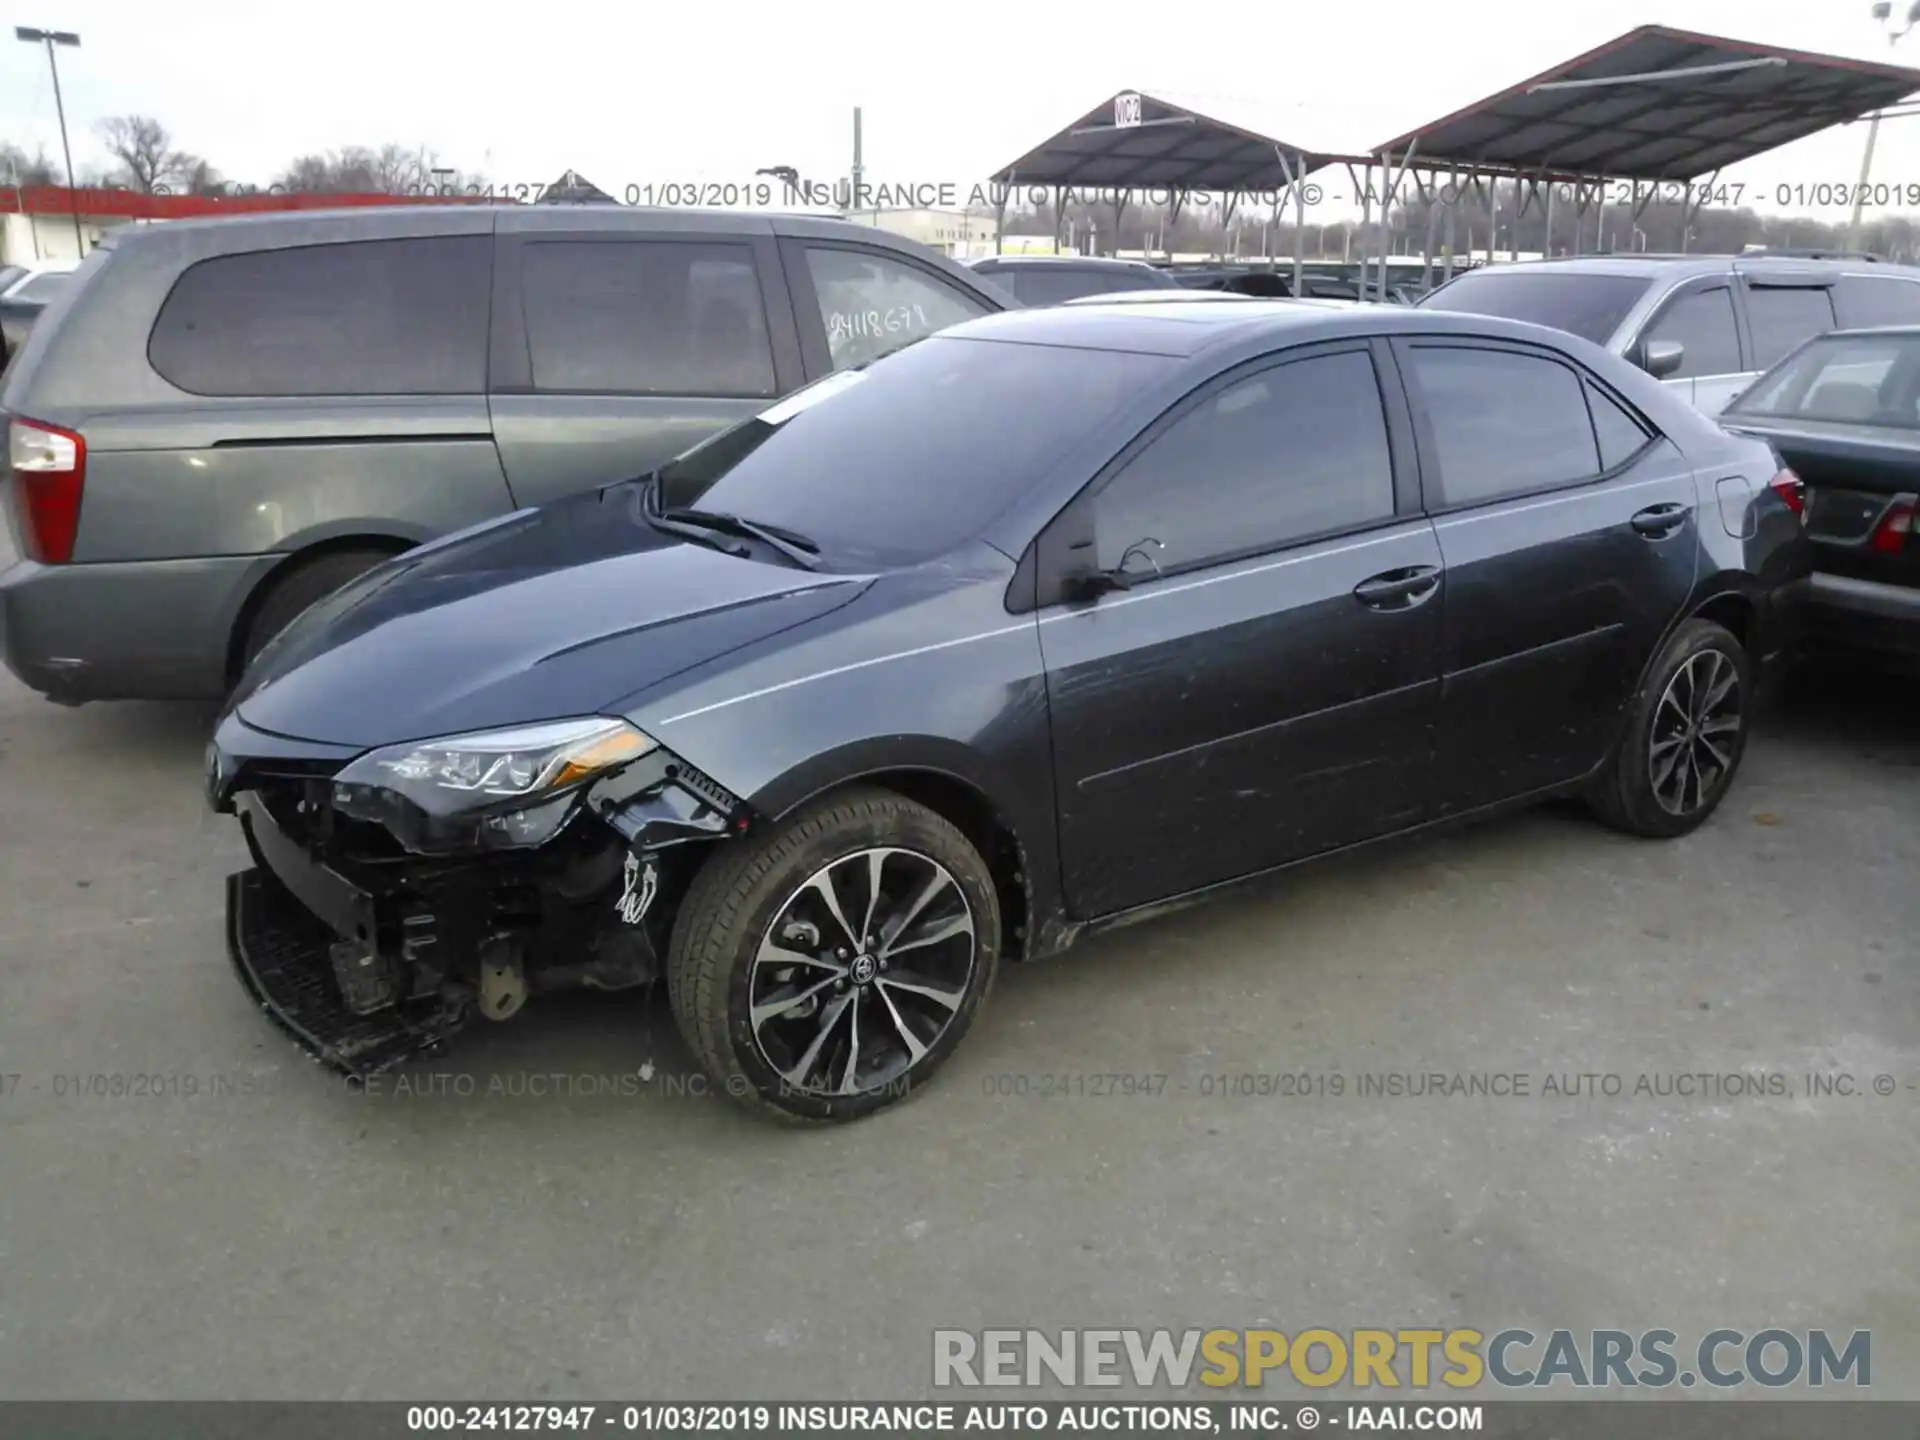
{"x": 1658, "y": 521}
{"x": 1399, "y": 589}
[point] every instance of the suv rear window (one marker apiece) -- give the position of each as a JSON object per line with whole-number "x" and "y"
{"x": 1590, "y": 306}
{"x": 1053, "y": 286}
{"x": 366, "y": 317}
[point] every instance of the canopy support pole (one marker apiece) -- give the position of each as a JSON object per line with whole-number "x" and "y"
{"x": 1000, "y": 213}
{"x": 1690, "y": 208}
{"x": 1394, "y": 179}
{"x": 1365, "y": 187}
{"x": 1119, "y": 209}
{"x": 1295, "y": 171}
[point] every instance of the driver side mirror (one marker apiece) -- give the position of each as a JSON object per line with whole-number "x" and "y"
{"x": 1660, "y": 358}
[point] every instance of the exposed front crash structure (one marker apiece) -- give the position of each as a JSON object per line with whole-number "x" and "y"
{"x": 395, "y": 894}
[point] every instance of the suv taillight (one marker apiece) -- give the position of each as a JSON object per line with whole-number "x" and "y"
{"x": 49, "y": 468}
{"x": 1788, "y": 487}
{"x": 1890, "y": 535}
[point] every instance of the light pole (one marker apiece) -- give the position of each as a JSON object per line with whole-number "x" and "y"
{"x": 51, "y": 38}
{"x": 1883, "y": 12}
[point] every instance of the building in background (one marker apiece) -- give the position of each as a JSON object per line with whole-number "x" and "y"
{"x": 36, "y": 232}
{"x": 962, "y": 234}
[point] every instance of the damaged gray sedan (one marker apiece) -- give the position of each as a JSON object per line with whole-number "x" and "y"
{"x": 1043, "y": 623}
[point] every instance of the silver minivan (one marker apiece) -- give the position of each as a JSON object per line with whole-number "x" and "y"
{"x": 1705, "y": 324}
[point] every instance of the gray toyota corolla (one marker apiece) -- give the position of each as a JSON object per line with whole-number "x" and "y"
{"x": 1046, "y": 622}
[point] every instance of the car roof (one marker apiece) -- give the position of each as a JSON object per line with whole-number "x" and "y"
{"x": 1645, "y": 266}
{"x": 1090, "y": 262}
{"x": 273, "y": 226}
{"x": 1180, "y": 326}
{"x": 1161, "y": 295}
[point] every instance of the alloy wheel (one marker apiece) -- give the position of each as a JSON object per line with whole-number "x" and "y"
{"x": 861, "y": 971}
{"x": 1696, "y": 730}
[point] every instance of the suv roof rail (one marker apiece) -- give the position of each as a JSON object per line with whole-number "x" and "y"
{"x": 1792, "y": 253}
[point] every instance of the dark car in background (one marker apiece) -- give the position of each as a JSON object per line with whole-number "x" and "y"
{"x": 1706, "y": 324}
{"x": 1053, "y": 279}
{"x": 1844, "y": 410}
{"x": 1049, "y": 621}
{"x": 227, "y": 419}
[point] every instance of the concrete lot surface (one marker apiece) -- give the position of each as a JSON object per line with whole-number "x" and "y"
{"x": 247, "y": 1227}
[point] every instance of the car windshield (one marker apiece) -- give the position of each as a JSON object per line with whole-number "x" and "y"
{"x": 911, "y": 456}
{"x": 1851, "y": 379}
{"x": 1590, "y": 306}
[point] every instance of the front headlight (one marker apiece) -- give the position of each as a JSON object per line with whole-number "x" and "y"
{"x": 497, "y": 789}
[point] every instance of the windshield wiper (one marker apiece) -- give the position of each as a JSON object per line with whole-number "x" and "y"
{"x": 798, "y": 548}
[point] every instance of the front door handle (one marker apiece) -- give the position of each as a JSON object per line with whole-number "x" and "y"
{"x": 1399, "y": 589}
{"x": 1657, "y": 522}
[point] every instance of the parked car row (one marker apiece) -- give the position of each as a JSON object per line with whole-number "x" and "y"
{"x": 224, "y": 420}
{"x": 816, "y": 637}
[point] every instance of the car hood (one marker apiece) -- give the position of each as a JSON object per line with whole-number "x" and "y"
{"x": 541, "y": 615}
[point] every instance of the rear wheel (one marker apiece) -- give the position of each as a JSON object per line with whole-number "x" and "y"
{"x": 1685, "y": 736}
{"x": 295, "y": 590}
{"x": 828, "y": 970}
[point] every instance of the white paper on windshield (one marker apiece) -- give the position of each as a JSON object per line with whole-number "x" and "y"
{"x": 813, "y": 394}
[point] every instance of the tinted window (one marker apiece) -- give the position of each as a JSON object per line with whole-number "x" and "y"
{"x": 43, "y": 286}
{"x": 1863, "y": 380}
{"x": 1701, "y": 321}
{"x": 1620, "y": 433}
{"x": 1877, "y": 300}
{"x": 871, "y": 303}
{"x": 916, "y": 454}
{"x": 1294, "y": 451}
{"x": 1503, "y": 423}
{"x": 1590, "y": 306}
{"x": 648, "y": 317}
{"x": 1052, "y": 286}
{"x": 1781, "y": 319}
{"x": 373, "y": 317}
{"x": 9, "y": 274}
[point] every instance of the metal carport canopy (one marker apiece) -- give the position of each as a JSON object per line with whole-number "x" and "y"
{"x": 1136, "y": 141}
{"x": 1657, "y": 104}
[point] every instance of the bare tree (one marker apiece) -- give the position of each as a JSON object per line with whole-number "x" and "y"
{"x": 17, "y": 167}
{"x": 148, "y": 160}
{"x": 390, "y": 169}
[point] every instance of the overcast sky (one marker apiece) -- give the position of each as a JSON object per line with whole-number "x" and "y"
{"x": 634, "y": 94}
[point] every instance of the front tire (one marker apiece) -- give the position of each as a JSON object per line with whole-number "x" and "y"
{"x": 1686, "y": 733}
{"x": 826, "y": 971}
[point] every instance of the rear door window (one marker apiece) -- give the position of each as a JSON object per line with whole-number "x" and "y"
{"x": 1503, "y": 423}
{"x": 871, "y": 303}
{"x": 1702, "y": 322}
{"x": 1781, "y": 318}
{"x": 1620, "y": 433}
{"x": 645, "y": 317}
{"x": 1863, "y": 300}
{"x": 368, "y": 317}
